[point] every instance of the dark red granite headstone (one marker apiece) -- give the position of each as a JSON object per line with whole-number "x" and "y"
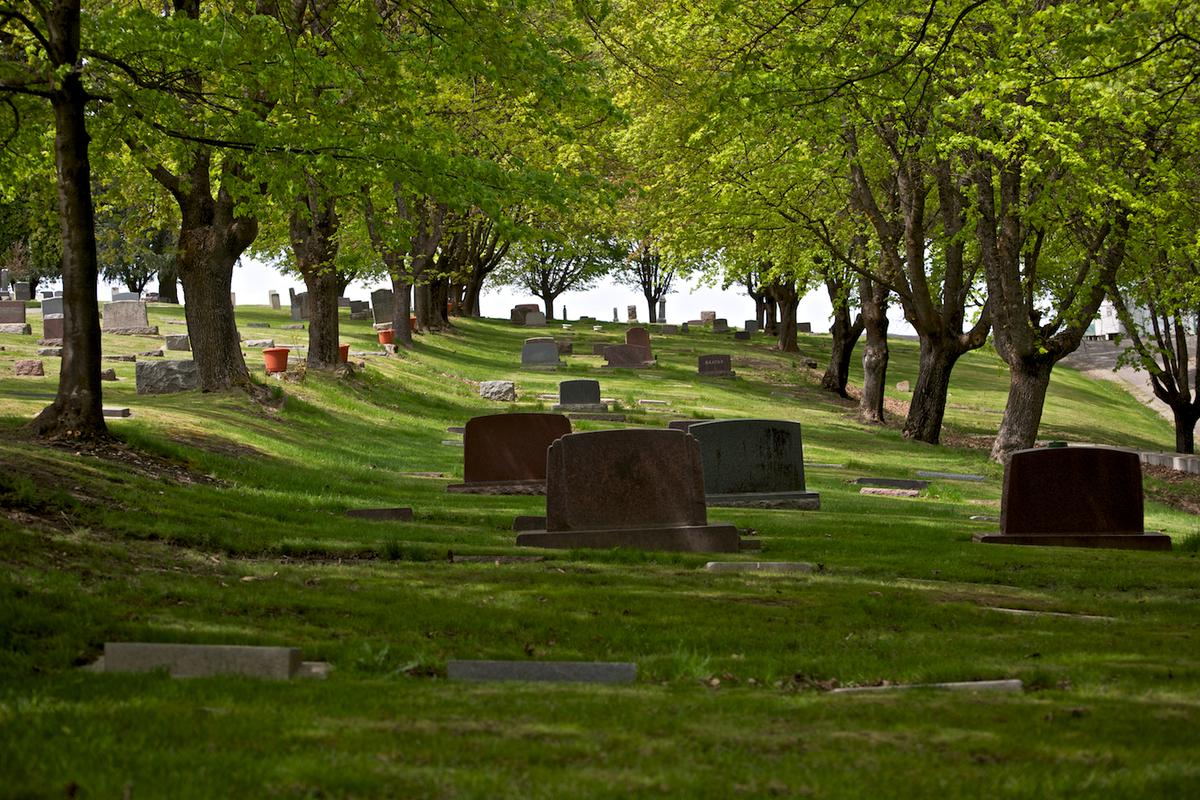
{"x": 12, "y": 312}
{"x": 506, "y": 453}
{"x": 628, "y": 488}
{"x": 1075, "y": 497}
{"x": 639, "y": 337}
{"x": 627, "y": 355}
{"x": 52, "y": 328}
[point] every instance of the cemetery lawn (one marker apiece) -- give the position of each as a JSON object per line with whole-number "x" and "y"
{"x": 213, "y": 519}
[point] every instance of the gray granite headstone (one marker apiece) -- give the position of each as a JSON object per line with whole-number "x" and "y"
{"x": 631, "y": 313}
{"x": 804, "y": 327}
{"x": 720, "y": 325}
{"x": 118, "y": 296}
{"x": 22, "y": 292}
{"x": 52, "y": 305}
{"x": 166, "y": 377}
{"x": 5, "y": 281}
{"x": 662, "y": 310}
{"x": 579, "y": 392}
{"x": 717, "y": 365}
{"x": 535, "y": 319}
{"x": 201, "y": 660}
{"x": 125, "y": 314}
{"x": 753, "y": 462}
{"x": 273, "y": 299}
{"x": 299, "y": 305}
{"x": 540, "y": 352}
{"x": 383, "y": 302}
{"x": 750, "y": 326}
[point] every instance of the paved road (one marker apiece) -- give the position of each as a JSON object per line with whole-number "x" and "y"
{"x": 1098, "y": 359}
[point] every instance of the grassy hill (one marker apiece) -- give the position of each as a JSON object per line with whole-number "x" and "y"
{"x": 218, "y": 520}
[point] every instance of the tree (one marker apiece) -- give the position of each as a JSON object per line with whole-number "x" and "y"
{"x": 644, "y": 268}
{"x": 549, "y": 266}
{"x": 133, "y": 245}
{"x": 47, "y": 37}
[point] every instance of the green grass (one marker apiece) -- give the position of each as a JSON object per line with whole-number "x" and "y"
{"x": 222, "y": 521}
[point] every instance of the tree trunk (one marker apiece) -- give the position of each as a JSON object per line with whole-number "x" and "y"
{"x": 548, "y": 305}
{"x": 313, "y": 228}
{"x": 652, "y": 303}
{"x": 772, "y": 322}
{"x": 401, "y": 310}
{"x": 322, "y": 286}
{"x": 168, "y": 284}
{"x": 788, "y": 301}
{"x": 470, "y": 305}
{"x": 1185, "y": 427}
{"x": 875, "y": 354}
{"x": 1027, "y": 383}
{"x": 760, "y": 312}
{"x": 76, "y": 411}
{"x": 845, "y": 336}
{"x": 207, "y": 278}
{"x": 439, "y": 300}
{"x": 423, "y": 306}
{"x": 928, "y": 407}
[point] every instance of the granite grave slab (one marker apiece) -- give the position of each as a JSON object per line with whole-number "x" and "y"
{"x": 506, "y": 453}
{"x": 755, "y": 463}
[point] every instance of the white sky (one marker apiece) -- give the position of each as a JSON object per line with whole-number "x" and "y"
{"x": 253, "y": 279}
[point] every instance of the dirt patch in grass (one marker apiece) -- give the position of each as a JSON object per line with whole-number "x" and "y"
{"x": 1180, "y": 490}
{"x": 224, "y": 447}
{"x": 140, "y": 463}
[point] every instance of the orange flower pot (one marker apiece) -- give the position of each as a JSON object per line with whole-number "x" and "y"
{"x": 412, "y": 324}
{"x": 343, "y": 353}
{"x": 276, "y": 359}
{"x": 387, "y": 336}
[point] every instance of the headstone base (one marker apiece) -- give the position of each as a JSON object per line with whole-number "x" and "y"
{"x": 1150, "y": 540}
{"x": 150, "y": 331}
{"x": 717, "y": 538}
{"x": 499, "y": 487}
{"x": 601, "y": 417}
{"x": 16, "y": 329}
{"x": 803, "y": 501}
{"x": 587, "y": 408}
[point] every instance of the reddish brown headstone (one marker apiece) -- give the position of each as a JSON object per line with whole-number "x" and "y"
{"x": 639, "y": 337}
{"x": 506, "y": 453}
{"x": 11, "y": 311}
{"x": 627, "y": 355}
{"x": 517, "y": 315}
{"x": 1074, "y": 497}
{"x": 717, "y": 366}
{"x": 52, "y": 327}
{"x": 628, "y": 488}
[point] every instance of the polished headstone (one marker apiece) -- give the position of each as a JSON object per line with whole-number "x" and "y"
{"x": 627, "y": 356}
{"x": 51, "y": 306}
{"x": 716, "y": 366}
{"x": 506, "y": 453}
{"x": 540, "y": 352}
{"x": 12, "y": 312}
{"x": 754, "y": 462}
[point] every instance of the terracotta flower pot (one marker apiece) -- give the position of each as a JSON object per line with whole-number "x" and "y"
{"x": 412, "y": 324}
{"x": 343, "y": 353}
{"x": 387, "y": 336}
{"x": 276, "y": 359}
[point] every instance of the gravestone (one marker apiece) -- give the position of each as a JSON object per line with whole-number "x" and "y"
{"x": 750, "y": 326}
{"x": 232, "y": 299}
{"x": 742, "y": 336}
{"x": 28, "y": 368}
{"x": 542, "y": 671}
{"x": 671, "y": 328}
{"x": 893, "y": 483}
{"x": 177, "y": 341}
{"x": 500, "y": 391}
{"x": 566, "y": 347}
{"x": 52, "y": 327}
{"x": 358, "y": 306}
{"x": 708, "y": 317}
{"x": 128, "y": 318}
{"x": 22, "y": 292}
{"x": 51, "y": 306}
{"x": 299, "y": 305}
{"x": 1074, "y": 497}
{"x": 626, "y": 356}
{"x": 273, "y": 299}
{"x": 599, "y": 347}
{"x": 201, "y": 660}
{"x": 684, "y": 424}
{"x": 12, "y": 312}
{"x": 640, "y": 337}
{"x": 684, "y": 328}
{"x": 803, "y": 327}
{"x": 506, "y": 453}
{"x": 123, "y": 296}
{"x": 535, "y": 319}
{"x": 903, "y": 386}
{"x": 166, "y": 377}
{"x": 518, "y": 312}
{"x": 720, "y": 325}
{"x": 715, "y": 366}
{"x": 343, "y": 302}
{"x": 662, "y": 310}
{"x": 615, "y": 314}
{"x": 383, "y": 304}
{"x": 5, "y": 281}
{"x": 540, "y": 352}
{"x": 631, "y": 313}
{"x": 642, "y": 489}
{"x": 756, "y": 463}
{"x": 580, "y": 395}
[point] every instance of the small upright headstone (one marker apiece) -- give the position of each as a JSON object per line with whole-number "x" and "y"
{"x": 720, "y": 325}
{"x": 669, "y": 329}
{"x": 903, "y": 386}
{"x": 685, "y": 328}
{"x": 506, "y": 453}
{"x": 715, "y": 366}
{"x": 662, "y": 310}
{"x": 299, "y": 305}
{"x": 580, "y": 396}
{"x": 631, "y": 313}
{"x": 642, "y": 489}
{"x": 708, "y": 317}
{"x": 750, "y": 326}
{"x": 540, "y": 352}
{"x": 742, "y": 336}
{"x": 12, "y": 312}
{"x": 52, "y": 326}
{"x": 343, "y": 302}
{"x": 5, "y": 281}
{"x": 640, "y": 337}
{"x": 757, "y": 463}
{"x": 615, "y": 319}
{"x": 177, "y": 341}
{"x": 52, "y": 306}
{"x": 804, "y": 327}
{"x": 1074, "y": 497}
{"x": 382, "y": 305}
{"x": 535, "y": 319}
{"x": 273, "y": 299}
{"x": 21, "y": 292}
{"x": 127, "y": 317}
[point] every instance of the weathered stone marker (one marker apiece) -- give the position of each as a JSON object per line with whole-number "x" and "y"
{"x": 803, "y": 327}
{"x": 750, "y": 326}
{"x": 626, "y": 356}
{"x": 757, "y": 463}
{"x": 542, "y": 671}
{"x": 299, "y": 305}
{"x": 16, "y": 329}
{"x": 500, "y": 391}
{"x": 715, "y": 366}
{"x": 12, "y": 312}
{"x": 203, "y": 660}
{"x": 1074, "y": 497}
{"x": 128, "y": 318}
{"x": 642, "y": 489}
{"x": 166, "y": 377}
{"x": 273, "y": 300}
{"x": 519, "y": 311}
{"x": 631, "y": 313}
{"x": 178, "y": 341}
{"x": 506, "y": 453}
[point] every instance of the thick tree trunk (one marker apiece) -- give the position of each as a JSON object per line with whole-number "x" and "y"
{"x": 548, "y": 305}
{"x": 772, "y": 323}
{"x": 875, "y": 354}
{"x": 423, "y": 306}
{"x": 1027, "y": 383}
{"x": 401, "y": 310}
{"x": 470, "y": 304}
{"x": 788, "y": 301}
{"x": 168, "y": 284}
{"x": 1185, "y": 428}
{"x": 207, "y": 277}
{"x": 76, "y": 411}
{"x": 439, "y": 299}
{"x": 323, "y": 331}
{"x": 652, "y": 304}
{"x": 928, "y": 407}
{"x": 760, "y": 312}
{"x": 845, "y": 336}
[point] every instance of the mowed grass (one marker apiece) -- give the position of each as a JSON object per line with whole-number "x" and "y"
{"x": 222, "y": 521}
